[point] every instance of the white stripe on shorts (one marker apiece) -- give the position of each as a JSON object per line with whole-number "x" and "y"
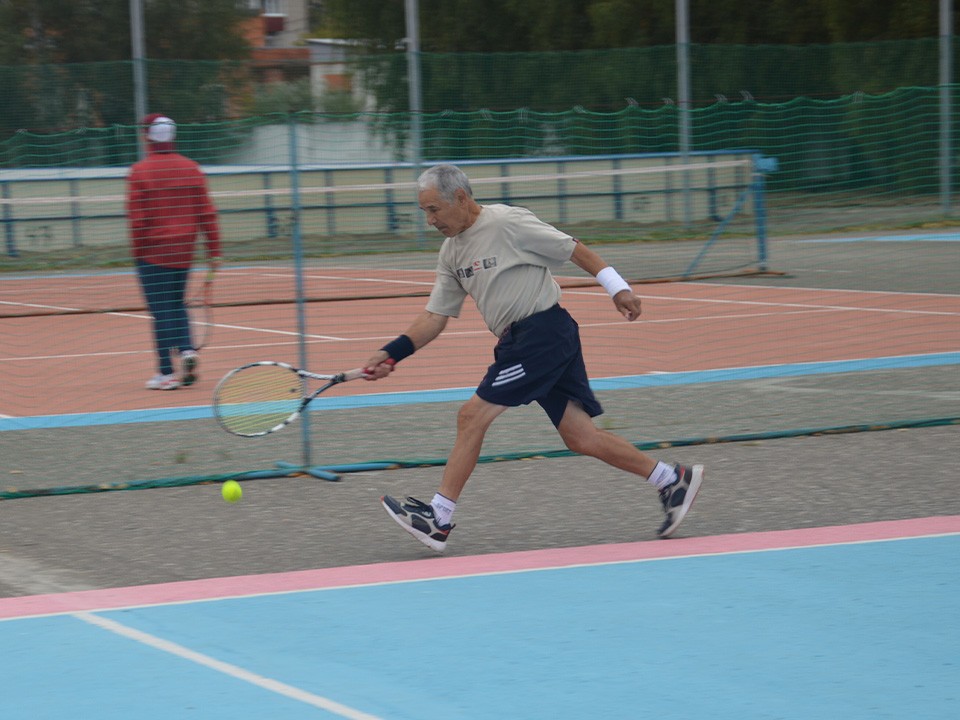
{"x": 508, "y": 375}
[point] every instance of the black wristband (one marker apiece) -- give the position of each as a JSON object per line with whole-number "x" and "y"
{"x": 399, "y": 348}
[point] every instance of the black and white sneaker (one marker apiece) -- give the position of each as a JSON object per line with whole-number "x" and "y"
{"x": 679, "y": 496}
{"x": 417, "y": 518}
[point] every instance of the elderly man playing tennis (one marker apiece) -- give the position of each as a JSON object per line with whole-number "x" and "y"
{"x": 502, "y": 256}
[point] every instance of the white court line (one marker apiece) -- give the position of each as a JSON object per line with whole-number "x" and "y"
{"x": 639, "y": 323}
{"x": 74, "y": 356}
{"x": 270, "y": 331}
{"x": 447, "y": 334}
{"x": 826, "y": 290}
{"x": 720, "y": 301}
{"x": 34, "y": 305}
{"x": 702, "y": 318}
{"x": 234, "y": 671}
{"x": 379, "y": 281}
{"x": 838, "y": 308}
{"x": 78, "y": 311}
{"x": 798, "y": 309}
{"x": 216, "y": 325}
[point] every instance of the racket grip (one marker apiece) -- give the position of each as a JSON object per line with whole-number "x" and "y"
{"x": 354, "y": 374}
{"x": 363, "y": 371}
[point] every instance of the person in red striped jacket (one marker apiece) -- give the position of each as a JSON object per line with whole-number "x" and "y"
{"x": 168, "y": 209}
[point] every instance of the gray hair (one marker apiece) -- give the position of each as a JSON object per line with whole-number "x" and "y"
{"x": 446, "y": 180}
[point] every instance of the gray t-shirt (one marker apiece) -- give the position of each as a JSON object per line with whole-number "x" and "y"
{"x": 503, "y": 261}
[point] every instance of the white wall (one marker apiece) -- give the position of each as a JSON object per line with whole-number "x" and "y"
{"x": 320, "y": 144}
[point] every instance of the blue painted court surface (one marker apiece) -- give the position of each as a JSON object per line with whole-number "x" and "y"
{"x": 857, "y": 629}
{"x": 924, "y": 237}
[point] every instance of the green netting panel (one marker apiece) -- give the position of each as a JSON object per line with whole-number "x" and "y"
{"x": 49, "y": 98}
{"x": 607, "y": 79}
{"x": 841, "y": 163}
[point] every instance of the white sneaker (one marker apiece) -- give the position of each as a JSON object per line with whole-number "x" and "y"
{"x": 163, "y": 382}
{"x": 190, "y": 360}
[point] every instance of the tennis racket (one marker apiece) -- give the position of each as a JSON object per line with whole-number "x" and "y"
{"x": 263, "y": 397}
{"x": 200, "y": 313}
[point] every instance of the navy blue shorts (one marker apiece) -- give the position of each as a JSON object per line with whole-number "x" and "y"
{"x": 540, "y": 359}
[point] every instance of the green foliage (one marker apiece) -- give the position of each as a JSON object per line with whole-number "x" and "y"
{"x": 67, "y": 63}
{"x": 607, "y": 80}
{"x": 54, "y": 98}
{"x": 286, "y": 97}
{"x": 82, "y": 31}
{"x": 527, "y": 25}
{"x": 338, "y": 102}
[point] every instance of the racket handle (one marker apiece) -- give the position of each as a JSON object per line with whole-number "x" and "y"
{"x": 354, "y": 374}
{"x": 350, "y": 374}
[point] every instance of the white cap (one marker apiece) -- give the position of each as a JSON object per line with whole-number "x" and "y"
{"x": 163, "y": 129}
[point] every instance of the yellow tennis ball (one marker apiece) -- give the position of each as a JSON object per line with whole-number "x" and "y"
{"x": 231, "y": 491}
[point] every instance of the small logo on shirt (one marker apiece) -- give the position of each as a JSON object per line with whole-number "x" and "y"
{"x": 475, "y": 267}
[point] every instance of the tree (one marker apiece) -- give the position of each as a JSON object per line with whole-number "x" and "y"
{"x": 527, "y": 25}
{"x": 36, "y": 32}
{"x": 65, "y": 64}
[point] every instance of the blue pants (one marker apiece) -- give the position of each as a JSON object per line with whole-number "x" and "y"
{"x": 164, "y": 290}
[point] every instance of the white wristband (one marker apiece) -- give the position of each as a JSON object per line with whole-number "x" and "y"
{"x": 611, "y": 281}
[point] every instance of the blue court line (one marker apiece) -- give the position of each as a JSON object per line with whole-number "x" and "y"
{"x": 629, "y": 382}
{"x": 933, "y": 237}
{"x": 855, "y": 631}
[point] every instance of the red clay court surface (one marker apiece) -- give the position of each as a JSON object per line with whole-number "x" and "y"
{"x": 721, "y": 326}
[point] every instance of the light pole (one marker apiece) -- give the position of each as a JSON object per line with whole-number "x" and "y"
{"x": 946, "y": 116}
{"x": 683, "y": 98}
{"x": 413, "y": 83}
{"x": 139, "y": 61}
{"x": 413, "y": 77}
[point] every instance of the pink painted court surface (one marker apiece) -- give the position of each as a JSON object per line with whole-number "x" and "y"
{"x": 858, "y": 621}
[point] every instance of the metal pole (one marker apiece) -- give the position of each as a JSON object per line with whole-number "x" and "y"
{"x": 295, "y": 208}
{"x": 946, "y": 79}
{"x": 683, "y": 99}
{"x": 413, "y": 78}
{"x": 416, "y": 99}
{"x": 138, "y": 53}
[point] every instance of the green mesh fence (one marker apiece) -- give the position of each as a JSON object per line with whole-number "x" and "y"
{"x": 841, "y": 162}
{"x": 50, "y": 98}
{"x": 606, "y": 79}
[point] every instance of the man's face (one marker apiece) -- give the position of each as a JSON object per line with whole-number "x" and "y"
{"x": 450, "y": 218}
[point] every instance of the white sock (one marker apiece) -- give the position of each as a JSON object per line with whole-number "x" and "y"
{"x": 443, "y": 508}
{"x": 662, "y": 476}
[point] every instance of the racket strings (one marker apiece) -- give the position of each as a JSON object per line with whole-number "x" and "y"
{"x": 257, "y": 399}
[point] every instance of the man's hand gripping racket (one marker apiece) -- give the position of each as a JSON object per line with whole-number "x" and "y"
{"x": 263, "y": 397}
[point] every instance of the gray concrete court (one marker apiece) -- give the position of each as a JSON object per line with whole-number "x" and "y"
{"x": 128, "y": 538}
